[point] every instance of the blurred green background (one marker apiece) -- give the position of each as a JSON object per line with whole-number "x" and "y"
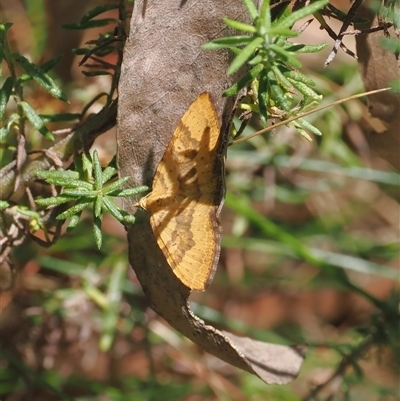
{"x": 310, "y": 255}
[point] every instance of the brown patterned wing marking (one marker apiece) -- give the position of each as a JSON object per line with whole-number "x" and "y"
{"x": 184, "y": 203}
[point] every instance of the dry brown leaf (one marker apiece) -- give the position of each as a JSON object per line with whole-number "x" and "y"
{"x": 164, "y": 70}
{"x": 378, "y": 67}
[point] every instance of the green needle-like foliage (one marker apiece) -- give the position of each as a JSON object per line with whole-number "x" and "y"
{"x": 94, "y": 189}
{"x": 272, "y": 62}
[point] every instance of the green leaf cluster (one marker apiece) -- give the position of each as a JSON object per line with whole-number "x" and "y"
{"x": 89, "y": 186}
{"x": 272, "y": 63}
{"x": 88, "y": 21}
{"x": 13, "y": 87}
{"x": 106, "y": 44}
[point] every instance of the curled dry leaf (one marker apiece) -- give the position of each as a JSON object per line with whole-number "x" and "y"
{"x": 163, "y": 72}
{"x": 378, "y": 67}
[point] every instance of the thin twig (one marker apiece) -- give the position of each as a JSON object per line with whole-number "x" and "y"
{"x": 367, "y": 31}
{"x": 301, "y": 115}
{"x": 346, "y": 361}
{"x": 347, "y": 21}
